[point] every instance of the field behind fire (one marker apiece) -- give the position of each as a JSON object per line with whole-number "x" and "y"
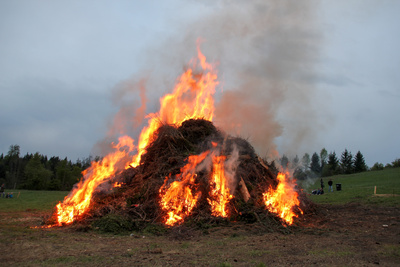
{"x": 351, "y": 227}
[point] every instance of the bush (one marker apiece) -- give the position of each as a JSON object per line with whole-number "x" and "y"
{"x": 377, "y": 167}
{"x": 396, "y": 163}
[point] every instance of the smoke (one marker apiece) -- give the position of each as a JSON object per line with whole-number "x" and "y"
{"x": 124, "y": 96}
{"x": 267, "y": 51}
{"x": 231, "y": 165}
{"x": 130, "y": 115}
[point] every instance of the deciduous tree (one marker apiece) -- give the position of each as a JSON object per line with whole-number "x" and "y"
{"x": 37, "y": 176}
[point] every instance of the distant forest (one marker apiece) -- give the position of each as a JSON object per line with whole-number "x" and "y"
{"x": 38, "y": 172}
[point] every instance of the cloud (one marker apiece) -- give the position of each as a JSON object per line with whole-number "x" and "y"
{"x": 61, "y": 121}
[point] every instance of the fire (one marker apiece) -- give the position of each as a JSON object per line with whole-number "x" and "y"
{"x": 78, "y": 201}
{"x": 178, "y": 199}
{"x": 192, "y": 98}
{"x": 181, "y": 196}
{"x": 283, "y": 199}
{"x": 117, "y": 184}
{"x": 219, "y": 193}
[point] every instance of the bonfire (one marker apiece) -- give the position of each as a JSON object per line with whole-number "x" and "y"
{"x": 183, "y": 170}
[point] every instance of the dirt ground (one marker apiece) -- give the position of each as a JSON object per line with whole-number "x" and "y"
{"x": 345, "y": 235}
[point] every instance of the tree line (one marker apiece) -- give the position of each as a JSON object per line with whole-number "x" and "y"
{"x": 38, "y": 172}
{"x": 324, "y": 164}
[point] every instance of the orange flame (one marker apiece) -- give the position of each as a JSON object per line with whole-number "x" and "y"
{"x": 192, "y": 98}
{"x": 219, "y": 193}
{"x": 178, "y": 199}
{"x": 78, "y": 201}
{"x": 282, "y": 200}
{"x": 117, "y": 184}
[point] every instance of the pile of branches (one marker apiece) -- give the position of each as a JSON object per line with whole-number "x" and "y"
{"x": 136, "y": 204}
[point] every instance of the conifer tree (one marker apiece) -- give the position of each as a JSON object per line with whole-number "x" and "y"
{"x": 359, "y": 163}
{"x": 315, "y": 164}
{"x": 346, "y": 162}
{"x": 333, "y": 161}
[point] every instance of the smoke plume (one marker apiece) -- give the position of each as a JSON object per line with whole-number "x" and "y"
{"x": 266, "y": 53}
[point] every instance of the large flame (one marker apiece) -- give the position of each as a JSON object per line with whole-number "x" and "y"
{"x": 78, "y": 201}
{"x": 283, "y": 199}
{"x": 192, "y": 97}
{"x": 219, "y": 192}
{"x": 178, "y": 198}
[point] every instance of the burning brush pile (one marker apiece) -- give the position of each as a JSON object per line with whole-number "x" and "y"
{"x": 184, "y": 171}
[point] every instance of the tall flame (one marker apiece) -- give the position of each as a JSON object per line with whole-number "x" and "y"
{"x": 178, "y": 199}
{"x": 181, "y": 196}
{"x": 219, "y": 194}
{"x": 283, "y": 199}
{"x": 78, "y": 201}
{"x": 192, "y": 97}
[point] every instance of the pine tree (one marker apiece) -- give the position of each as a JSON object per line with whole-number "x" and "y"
{"x": 359, "y": 163}
{"x": 296, "y": 161}
{"x": 315, "y": 164}
{"x": 333, "y": 160}
{"x": 284, "y": 162}
{"x": 346, "y": 162}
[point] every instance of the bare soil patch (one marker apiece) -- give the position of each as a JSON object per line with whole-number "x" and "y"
{"x": 337, "y": 235}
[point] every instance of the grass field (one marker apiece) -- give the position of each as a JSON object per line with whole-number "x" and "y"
{"x": 359, "y": 188}
{"x": 31, "y": 200}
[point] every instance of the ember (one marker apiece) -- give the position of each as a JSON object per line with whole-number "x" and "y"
{"x": 184, "y": 167}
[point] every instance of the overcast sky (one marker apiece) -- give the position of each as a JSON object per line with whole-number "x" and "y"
{"x": 62, "y": 62}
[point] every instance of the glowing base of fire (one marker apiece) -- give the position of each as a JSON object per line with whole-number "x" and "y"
{"x": 282, "y": 200}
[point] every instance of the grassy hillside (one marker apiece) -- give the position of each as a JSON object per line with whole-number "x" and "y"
{"x": 31, "y": 200}
{"x": 359, "y": 187}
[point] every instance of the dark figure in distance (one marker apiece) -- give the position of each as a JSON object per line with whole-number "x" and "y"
{"x": 2, "y": 188}
{"x": 330, "y": 183}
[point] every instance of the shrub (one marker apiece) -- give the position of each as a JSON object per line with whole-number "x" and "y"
{"x": 377, "y": 167}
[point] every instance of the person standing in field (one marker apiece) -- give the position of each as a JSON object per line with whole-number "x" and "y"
{"x": 330, "y": 183}
{"x": 2, "y": 188}
{"x": 322, "y": 184}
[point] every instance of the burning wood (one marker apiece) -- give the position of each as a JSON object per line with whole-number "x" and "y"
{"x": 243, "y": 190}
{"x": 184, "y": 167}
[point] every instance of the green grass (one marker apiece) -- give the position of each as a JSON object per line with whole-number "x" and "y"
{"x": 31, "y": 200}
{"x": 359, "y": 187}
